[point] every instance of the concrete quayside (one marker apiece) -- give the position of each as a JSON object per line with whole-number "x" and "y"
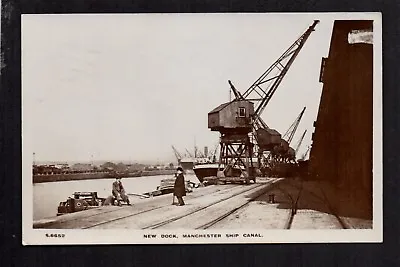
{"x": 271, "y": 203}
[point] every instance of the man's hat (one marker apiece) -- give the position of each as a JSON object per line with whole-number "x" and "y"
{"x": 179, "y": 169}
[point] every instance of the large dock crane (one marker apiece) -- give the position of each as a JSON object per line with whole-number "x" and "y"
{"x": 266, "y": 85}
{"x": 262, "y": 91}
{"x": 243, "y": 132}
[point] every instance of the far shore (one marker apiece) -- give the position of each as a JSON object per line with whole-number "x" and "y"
{"x": 95, "y": 175}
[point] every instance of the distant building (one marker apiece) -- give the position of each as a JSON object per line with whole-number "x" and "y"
{"x": 82, "y": 167}
{"x": 62, "y": 166}
{"x": 135, "y": 167}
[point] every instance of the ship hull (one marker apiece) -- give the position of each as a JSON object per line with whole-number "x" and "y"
{"x": 187, "y": 165}
{"x": 210, "y": 170}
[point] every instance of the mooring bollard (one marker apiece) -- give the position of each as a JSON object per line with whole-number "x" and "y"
{"x": 271, "y": 198}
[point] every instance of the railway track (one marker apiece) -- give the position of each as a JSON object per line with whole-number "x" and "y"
{"x": 293, "y": 206}
{"x": 211, "y": 209}
{"x": 159, "y": 224}
{"x": 92, "y": 214}
{"x": 292, "y": 193}
{"x": 294, "y": 200}
{"x": 325, "y": 200}
{"x": 221, "y": 217}
{"x": 147, "y": 210}
{"x": 225, "y": 215}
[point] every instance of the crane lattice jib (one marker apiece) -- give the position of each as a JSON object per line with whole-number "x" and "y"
{"x": 306, "y": 153}
{"x": 177, "y": 154}
{"x": 288, "y": 136}
{"x": 215, "y": 149}
{"x": 189, "y": 154}
{"x": 300, "y": 141}
{"x": 265, "y": 95}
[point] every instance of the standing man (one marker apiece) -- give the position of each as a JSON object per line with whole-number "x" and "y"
{"x": 118, "y": 189}
{"x": 179, "y": 186}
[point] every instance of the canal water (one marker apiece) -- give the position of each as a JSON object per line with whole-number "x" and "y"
{"x": 47, "y": 196}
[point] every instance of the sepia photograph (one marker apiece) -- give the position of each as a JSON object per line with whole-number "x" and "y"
{"x": 201, "y": 128}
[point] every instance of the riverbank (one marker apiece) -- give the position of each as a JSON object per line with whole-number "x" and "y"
{"x": 46, "y": 178}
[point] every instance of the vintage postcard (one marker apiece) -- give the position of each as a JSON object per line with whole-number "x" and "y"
{"x": 202, "y": 128}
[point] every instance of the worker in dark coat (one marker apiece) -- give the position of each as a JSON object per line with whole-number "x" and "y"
{"x": 179, "y": 186}
{"x": 119, "y": 190}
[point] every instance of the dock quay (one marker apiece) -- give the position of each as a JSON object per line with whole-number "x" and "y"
{"x": 270, "y": 203}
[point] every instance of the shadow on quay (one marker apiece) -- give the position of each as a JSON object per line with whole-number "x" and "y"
{"x": 318, "y": 196}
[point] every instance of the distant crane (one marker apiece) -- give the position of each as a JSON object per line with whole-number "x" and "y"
{"x": 288, "y": 136}
{"x": 284, "y": 152}
{"x": 177, "y": 154}
{"x": 300, "y": 141}
{"x": 212, "y": 156}
{"x": 303, "y": 157}
{"x": 215, "y": 149}
{"x": 189, "y": 154}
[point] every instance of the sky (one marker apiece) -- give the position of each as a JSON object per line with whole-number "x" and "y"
{"x": 127, "y": 87}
